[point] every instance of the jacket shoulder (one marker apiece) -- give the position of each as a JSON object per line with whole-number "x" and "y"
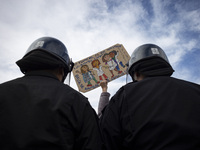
{"x": 74, "y": 94}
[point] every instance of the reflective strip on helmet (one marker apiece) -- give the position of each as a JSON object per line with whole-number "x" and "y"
{"x": 155, "y": 51}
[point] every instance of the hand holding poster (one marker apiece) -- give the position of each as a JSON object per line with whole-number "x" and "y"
{"x": 108, "y": 64}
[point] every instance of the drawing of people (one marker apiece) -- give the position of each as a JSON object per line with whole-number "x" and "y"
{"x": 114, "y": 54}
{"x": 87, "y": 75}
{"x": 97, "y": 67}
{"x": 110, "y": 62}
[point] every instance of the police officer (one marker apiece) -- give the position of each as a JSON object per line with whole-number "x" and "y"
{"x": 156, "y": 111}
{"x": 38, "y": 111}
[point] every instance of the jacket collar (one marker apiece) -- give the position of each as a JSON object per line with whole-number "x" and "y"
{"x": 41, "y": 73}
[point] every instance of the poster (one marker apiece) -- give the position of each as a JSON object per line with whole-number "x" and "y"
{"x": 108, "y": 64}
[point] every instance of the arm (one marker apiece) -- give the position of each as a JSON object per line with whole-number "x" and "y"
{"x": 104, "y": 97}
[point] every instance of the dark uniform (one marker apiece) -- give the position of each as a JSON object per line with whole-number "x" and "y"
{"x": 157, "y": 113}
{"x": 39, "y": 112}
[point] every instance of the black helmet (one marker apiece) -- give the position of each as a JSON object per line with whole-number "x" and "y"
{"x": 52, "y": 46}
{"x": 146, "y": 51}
{"x": 34, "y": 58}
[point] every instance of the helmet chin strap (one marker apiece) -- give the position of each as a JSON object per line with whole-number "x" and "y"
{"x": 126, "y": 76}
{"x": 68, "y": 74}
{"x": 69, "y": 78}
{"x": 63, "y": 79}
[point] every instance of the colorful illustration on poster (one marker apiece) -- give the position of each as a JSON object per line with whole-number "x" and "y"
{"x": 108, "y": 64}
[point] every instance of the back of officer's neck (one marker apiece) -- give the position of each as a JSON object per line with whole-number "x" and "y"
{"x": 138, "y": 76}
{"x": 58, "y": 72}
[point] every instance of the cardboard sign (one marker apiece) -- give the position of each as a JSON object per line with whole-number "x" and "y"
{"x": 108, "y": 64}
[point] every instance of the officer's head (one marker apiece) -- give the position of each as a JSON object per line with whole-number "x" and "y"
{"x": 46, "y": 53}
{"x": 149, "y": 60}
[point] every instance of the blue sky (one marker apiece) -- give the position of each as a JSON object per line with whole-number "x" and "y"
{"x": 89, "y": 26}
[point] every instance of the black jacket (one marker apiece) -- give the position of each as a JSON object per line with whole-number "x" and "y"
{"x": 38, "y": 112}
{"x": 157, "y": 113}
